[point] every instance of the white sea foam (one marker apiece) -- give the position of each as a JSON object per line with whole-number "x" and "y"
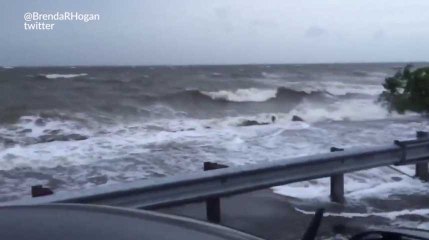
{"x": 242, "y": 145}
{"x": 216, "y": 74}
{"x": 379, "y": 183}
{"x": 244, "y": 95}
{"x": 7, "y": 67}
{"x": 37, "y": 130}
{"x": 117, "y": 142}
{"x": 55, "y": 76}
{"x": 271, "y": 75}
{"x": 346, "y": 110}
{"x": 177, "y": 145}
{"x": 392, "y": 215}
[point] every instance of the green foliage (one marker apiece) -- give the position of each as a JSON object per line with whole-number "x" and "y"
{"x": 407, "y": 90}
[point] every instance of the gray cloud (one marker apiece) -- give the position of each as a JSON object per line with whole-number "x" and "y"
{"x": 315, "y": 31}
{"x": 140, "y": 32}
{"x": 379, "y": 34}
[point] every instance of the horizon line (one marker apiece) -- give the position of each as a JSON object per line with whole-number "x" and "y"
{"x": 215, "y": 64}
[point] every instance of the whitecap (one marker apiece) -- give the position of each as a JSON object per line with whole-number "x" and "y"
{"x": 392, "y": 215}
{"x": 376, "y": 183}
{"x": 55, "y": 75}
{"x": 243, "y": 95}
{"x": 347, "y": 110}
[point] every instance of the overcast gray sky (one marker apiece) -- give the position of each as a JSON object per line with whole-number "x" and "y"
{"x": 136, "y": 32}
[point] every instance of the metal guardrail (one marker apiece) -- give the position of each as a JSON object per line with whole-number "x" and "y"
{"x": 227, "y": 181}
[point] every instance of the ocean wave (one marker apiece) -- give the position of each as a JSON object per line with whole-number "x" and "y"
{"x": 312, "y": 105}
{"x": 256, "y": 94}
{"x": 243, "y": 95}
{"x": 42, "y": 128}
{"x": 346, "y": 110}
{"x": 55, "y": 75}
{"x": 335, "y": 88}
{"x": 312, "y": 112}
{"x": 341, "y": 111}
{"x": 295, "y": 89}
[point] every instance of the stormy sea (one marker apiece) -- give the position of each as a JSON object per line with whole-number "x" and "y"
{"x": 70, "y": 128}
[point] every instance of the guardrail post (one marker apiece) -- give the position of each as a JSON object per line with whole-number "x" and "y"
{"x": 422, "y": 170}
{"x": 213, "y": 203}
{"x": 337, "y": 183}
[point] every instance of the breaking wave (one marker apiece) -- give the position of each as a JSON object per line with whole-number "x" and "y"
{"x": 294, "y": 89}
{"x": 243, "y": 95}
{"x": 55, "y": 75}
{"x": 311, "y": 105}
{"x": 42, "y": 128}
{"x": 347, "y": 110}
{"x": 252, "y": 94}
{"x": 333, "y": 87}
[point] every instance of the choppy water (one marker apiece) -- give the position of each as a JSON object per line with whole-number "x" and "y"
{"x": 71, "y": 128}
